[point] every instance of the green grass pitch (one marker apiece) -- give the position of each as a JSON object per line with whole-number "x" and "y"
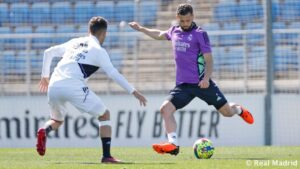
{"x": 146, "y": 158}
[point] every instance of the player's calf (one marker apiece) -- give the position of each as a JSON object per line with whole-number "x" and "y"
{"x": 227, "y": 110}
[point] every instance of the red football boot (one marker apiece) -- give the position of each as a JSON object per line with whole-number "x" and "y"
{"x": 166, "y": 148}
{"x": 41, "y": 141}
{"x": 247, "y": 116}
{"x": 111, "y": 160}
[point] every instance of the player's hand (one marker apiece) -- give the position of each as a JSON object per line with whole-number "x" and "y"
{"x": 204, "y": 83}
{"x": 44, "y": 84}
{"x": 140, "y": 97}
{"x": 135, "y": 25}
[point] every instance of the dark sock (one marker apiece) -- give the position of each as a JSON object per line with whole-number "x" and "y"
{"x": 106, "y": 146}
{"x": 48, "y": 129}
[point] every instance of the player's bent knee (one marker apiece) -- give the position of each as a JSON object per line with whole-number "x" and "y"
{"x": 105, "y": 116}
{"x": 104, "y": 120}
{"x": 163, "y": 110}
{"x": 167, "y": 109}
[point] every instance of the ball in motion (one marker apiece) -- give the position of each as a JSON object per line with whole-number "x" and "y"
{"x": 203, "y": 148}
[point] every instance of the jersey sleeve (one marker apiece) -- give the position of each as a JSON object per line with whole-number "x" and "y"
{"x": 168, "y": 34}
{"x": 104, "y": 62}
{"x": 204, "y": 42}
{"x": 49, "y": 54}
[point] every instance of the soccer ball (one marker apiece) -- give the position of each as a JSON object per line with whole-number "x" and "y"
{"x": 203, "y": 148}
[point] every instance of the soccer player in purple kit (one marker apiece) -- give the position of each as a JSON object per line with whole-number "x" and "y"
{"x": 194, "y": 66}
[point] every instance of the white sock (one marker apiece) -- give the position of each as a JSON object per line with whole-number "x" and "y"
{"x": 237, "y": 109}
{"x": 172, "y": 138}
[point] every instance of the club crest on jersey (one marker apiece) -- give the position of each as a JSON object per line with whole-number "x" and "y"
{"x": 190, "y": 37}
{"x": 78, "y": 57}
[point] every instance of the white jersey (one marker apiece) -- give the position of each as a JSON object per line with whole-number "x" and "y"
{"x": 81, "y": 57}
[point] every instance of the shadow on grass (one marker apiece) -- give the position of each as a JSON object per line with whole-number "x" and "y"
{"x": 240, "y": 158}
{"x": 93, "y": 163}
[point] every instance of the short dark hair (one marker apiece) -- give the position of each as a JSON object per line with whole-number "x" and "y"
{"x": 97, "y": 23}
{"x": 184, "y": 9}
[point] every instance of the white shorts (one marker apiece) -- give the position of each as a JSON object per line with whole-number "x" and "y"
{"x": 79, "y": 96}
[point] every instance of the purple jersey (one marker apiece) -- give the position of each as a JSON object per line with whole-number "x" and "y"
{"x": 188, "y": 49}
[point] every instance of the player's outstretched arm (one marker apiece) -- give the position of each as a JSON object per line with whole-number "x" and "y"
{"x": 153, "y": 33}
{"x": 140, "y": 97}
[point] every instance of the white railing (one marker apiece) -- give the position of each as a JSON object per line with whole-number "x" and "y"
{"x": 148, "y": 64}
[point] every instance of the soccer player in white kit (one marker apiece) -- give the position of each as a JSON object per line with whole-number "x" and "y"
{"x": 81, "y": 57}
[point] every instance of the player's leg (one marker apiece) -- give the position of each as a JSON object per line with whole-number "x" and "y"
{"x": 87, "y": 101}
{"x": 172, "y": 147}
{"x": 42, "y": 134}
{"x": 179, "y": 97}
{"x": 167, "y": 111}
{"x": 230, "y": 109}
{"x": 57, "y": 116}
{"x": 51, "y": 125}
{"x": 105, "y": 135}
{"x": 213, "y": 96}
